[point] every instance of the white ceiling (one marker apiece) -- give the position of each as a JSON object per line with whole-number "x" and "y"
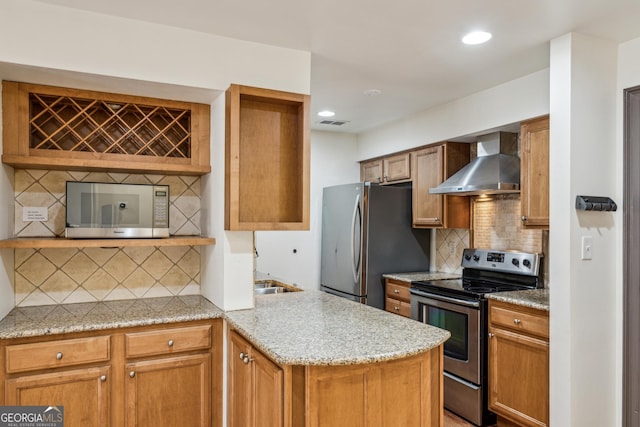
{"x": 408, "y": 49}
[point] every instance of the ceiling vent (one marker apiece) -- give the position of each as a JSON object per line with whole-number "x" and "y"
{"x": 333, "y": 122}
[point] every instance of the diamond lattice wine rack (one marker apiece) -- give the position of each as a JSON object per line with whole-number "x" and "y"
{"x": 59, "y": 128}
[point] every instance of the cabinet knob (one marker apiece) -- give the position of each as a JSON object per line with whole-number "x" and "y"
{"x": 242, "y": 356}
{"x": 132, "y": 374}
{"x": 517, "y": 321}
{"x": 524, "y": 217}
{"x": 396, "y": 308}
{"x": 170, "y": 343}
{"x": 396, "y": 291}
{"x": 59, "y": 355}
{"x": 437, "y": 219}
{"x": 103, "y": 378}
{"x": 490, "y": 335}
{"x": 246, "y": 360}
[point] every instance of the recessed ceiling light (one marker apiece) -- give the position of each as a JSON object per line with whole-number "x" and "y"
{"x": 476, "y": 37}
{"x": 326, "y": 113}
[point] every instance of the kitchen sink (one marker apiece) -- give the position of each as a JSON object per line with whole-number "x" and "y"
{"x": 271, "y": 290}
{"x": 263, "y": 287}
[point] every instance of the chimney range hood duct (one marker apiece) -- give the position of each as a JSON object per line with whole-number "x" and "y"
{"x": 494, "y": 171}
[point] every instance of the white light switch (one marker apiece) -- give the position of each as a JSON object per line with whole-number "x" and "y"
{"x": 587, "y": 247}
{"x": 30, "y": 213}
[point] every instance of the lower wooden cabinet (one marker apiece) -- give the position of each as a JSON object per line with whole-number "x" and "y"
{"x": 84, "y": 393}
{"x": 402, "y": 392}
{"x": 255, "y": 386}
{"x": 397, "y": 297}
{"x": 146, "y": 376}
{"x": 519, "y": 364}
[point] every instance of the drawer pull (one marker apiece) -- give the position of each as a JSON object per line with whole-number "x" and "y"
{"x": 132, "y": 374}
{"x": 170, "y": 343}
{"x": 396, "y": 308}
{"x": 103, "y": 378}
{"x": 396, "y": 291}
{"x": 517, "y": 321}
{"x": 59, "y": 355}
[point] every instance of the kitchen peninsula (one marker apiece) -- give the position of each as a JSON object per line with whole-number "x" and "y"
{"x": 306, "y": 358}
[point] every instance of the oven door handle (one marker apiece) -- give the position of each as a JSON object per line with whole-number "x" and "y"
{"x": 446, "y": 299}
{"x": 461, "y": 381}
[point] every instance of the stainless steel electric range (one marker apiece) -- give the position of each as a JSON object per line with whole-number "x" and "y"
{"x": 460, "y": 306}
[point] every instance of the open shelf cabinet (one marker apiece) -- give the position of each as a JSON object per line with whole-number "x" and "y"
{"x": 266, "y": 160}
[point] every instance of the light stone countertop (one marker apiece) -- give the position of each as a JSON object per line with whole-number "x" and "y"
{"x": 95, "y": 316}
{"x": 315, "y": 328}
{"x": 421, "y": 275}
{"x": 294, "y": 328}
{"x": 533, "y": 298}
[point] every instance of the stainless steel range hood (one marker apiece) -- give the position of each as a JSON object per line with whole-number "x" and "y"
{"x": 496, "y": 170}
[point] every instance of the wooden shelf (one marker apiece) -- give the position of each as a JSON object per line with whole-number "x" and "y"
{"x": 59, "y": 242}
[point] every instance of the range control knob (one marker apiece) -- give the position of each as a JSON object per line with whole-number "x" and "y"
{"x": 515, "y": 262}
{"x": 467, "y": 257}
{"x": 476, "y": 258}
{"x": 526, "y": 263}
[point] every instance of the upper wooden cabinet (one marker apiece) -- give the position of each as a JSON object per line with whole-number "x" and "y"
{"x": 388, "y": 170}
{"x": 534, "y": 173}
{"x": 431, "y": 166}
{"x": 49, "y": 127}
{"x": 266, "y": 160}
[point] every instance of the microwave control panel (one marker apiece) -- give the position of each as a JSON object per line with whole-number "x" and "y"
{"x": 161, "y": 206}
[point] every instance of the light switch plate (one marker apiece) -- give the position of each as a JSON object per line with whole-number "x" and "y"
{"x": 30, "y": 213}
{"x": 587, "y": 247}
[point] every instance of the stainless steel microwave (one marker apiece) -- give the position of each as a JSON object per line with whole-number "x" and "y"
{"x": 116, "y": 211}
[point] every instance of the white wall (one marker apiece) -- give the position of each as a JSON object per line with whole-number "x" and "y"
{"x": 628, "y": 77}
{"x": 56, "y": 45}
{"x": 332, "y": 163}
{"x": 501, "y": 105}
{"x": 584, "y": 357}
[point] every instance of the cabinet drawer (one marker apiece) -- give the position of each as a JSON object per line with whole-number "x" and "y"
{"x": 56, "y": 354}
{"x": 526, "y": 322}
{"x": 397, "y": 291}
{"x": 166, "y": 341}
{"x": 398, "y": 307}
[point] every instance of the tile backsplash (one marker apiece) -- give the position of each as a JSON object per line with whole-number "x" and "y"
{"x": 49, "y": 276}
{"x": 496, "y": 224}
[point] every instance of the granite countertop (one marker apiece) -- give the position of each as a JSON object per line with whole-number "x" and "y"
{"x": 315, "y": 328}
{"x": 533, "y": 298}
{"x": 293, "y": 328}
{"x": 79, "y": 317}
{"x": 421, "y": 275}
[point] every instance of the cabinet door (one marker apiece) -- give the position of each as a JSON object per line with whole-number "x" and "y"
{"x": 371, "y": 171}
{"x": 534, "y": 180}
{"x": 519, "y": 377}
{"x": 267, "y": 391}
{"x": 239, "y": 384}
{"x": 169, "y": 392}
{"x": 84, "y": 394}
{"x": 397, "y": 168}
{"x": 428, "y": 169}
{"x": 255, "y": 386}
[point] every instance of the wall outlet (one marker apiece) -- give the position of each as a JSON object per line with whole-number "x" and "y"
{"x": 587, "y": 247}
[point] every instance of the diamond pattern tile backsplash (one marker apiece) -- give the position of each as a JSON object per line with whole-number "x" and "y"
{"x": 450, "y": 243}
{"x": 50, "y": 276}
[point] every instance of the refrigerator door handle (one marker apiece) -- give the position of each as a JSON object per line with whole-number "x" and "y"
{"x": 355, "y": 257}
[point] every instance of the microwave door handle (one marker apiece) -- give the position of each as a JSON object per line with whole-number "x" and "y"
{"x": 356, "y": 221}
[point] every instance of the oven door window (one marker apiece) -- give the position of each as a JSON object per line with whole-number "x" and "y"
{"x": 457, "y": 323}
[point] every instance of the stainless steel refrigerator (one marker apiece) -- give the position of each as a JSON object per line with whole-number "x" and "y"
{"x": 366, "y": 232}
